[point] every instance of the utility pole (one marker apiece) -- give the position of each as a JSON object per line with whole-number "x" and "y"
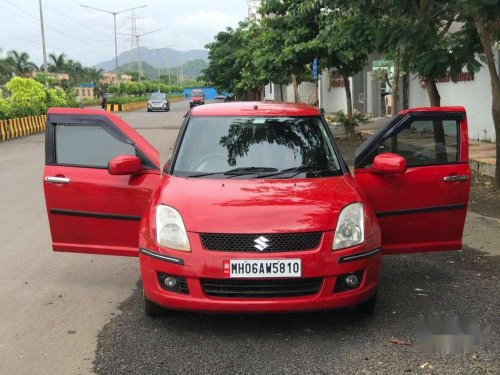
{"x": 137, "y": 37}
{"x": 114, "y": 14}
{"x": 45, "y": 68}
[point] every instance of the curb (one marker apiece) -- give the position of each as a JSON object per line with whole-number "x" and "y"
{"x": 20, "y": 127}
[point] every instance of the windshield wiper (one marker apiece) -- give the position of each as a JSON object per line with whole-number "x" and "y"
{"x": 249, "y": 170}
{"x": 238, "y": 171}
{"x": 298, "y": 170}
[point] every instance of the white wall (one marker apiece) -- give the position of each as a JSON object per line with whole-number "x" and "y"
{"x": 335, "y": 99}
{"x": 307, "y": 91}
{"x": 475, "y": 96}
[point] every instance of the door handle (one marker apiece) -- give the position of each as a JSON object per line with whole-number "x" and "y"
{"x": 454, "y": 178}
{"x": 57, "y": 180}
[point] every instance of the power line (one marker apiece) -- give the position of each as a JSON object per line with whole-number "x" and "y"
{"x": 26, "y": 39}
{"x": 35, "y": 20}
{"x": 79, "y": 22}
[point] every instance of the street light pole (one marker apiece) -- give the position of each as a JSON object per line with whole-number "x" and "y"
{"x": 114, "y": 14}
{"x": 45, "y": 68}
{"x": 116, "y": 46}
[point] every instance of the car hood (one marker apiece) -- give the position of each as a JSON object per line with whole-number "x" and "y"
{"x": 259, "y": 206}
{"x": 196, "y": 97}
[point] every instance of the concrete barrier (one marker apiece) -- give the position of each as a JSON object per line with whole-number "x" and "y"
{"x": 134, "y": 106}
{"x": 20, "y": 127}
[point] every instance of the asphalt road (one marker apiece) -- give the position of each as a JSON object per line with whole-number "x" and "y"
{"x": 53, "y": 305}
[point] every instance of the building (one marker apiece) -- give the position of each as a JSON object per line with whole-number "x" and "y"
{"x": 109, "y": 78}
{"x": 472, "y": 91}
{"x": 86, "y": 91}
{"x": 253, "y": 7}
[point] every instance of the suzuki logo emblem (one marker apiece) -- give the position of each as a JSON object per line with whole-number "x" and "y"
{"x": 261, "y": 243}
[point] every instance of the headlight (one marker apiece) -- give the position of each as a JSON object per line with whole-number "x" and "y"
{"x": 170, "y": 230}
{"x": 350, "y": 227}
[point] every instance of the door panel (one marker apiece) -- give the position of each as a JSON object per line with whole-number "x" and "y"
{"x": 423, "y": 209}
{"x": 89, "y": 210}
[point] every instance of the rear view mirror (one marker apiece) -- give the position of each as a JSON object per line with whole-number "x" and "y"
{"x": 389, "y": 164}
{"x": 125, "y": 165}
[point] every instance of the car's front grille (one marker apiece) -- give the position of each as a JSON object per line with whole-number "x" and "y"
{"x": 266, "y": 243}
{"x": 268, "y": 288}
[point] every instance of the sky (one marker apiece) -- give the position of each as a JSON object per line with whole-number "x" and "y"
{"x": 87, "y": 35}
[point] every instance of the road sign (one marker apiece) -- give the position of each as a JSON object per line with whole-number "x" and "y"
{"x": 315, "y": 69}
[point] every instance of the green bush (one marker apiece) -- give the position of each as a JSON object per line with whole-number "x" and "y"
{"x": 127, "y": 99}
{"x": 140, "y": 88}
{"x": 28, "y": 97}
{"x": 357, "y": 118}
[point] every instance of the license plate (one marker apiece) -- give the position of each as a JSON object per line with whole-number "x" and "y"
{"x": 262, "y": 268}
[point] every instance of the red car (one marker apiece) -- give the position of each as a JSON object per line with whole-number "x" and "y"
{"x": 197, "y": 97}
{"x": 257, "y": 211}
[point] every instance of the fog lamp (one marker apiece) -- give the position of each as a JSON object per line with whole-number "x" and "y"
{"x": 352, "y": 280}
{"x": 170, "y": 283}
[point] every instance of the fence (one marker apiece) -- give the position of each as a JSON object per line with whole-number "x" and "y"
{"x": 19, "y": 127}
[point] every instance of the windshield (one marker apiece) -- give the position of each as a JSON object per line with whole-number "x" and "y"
{"x": 157, "y": 96}
{"x": 197, "y": 93}
{"x": 284, "y": 147}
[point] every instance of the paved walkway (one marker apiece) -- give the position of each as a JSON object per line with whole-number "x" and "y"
{"x": 482, "y": 154}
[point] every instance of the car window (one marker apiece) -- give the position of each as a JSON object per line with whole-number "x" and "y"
{"x": 90, "y": 146}
{"x": 219, "y": 144}
{"x": 425, "y": 142}
{"x": 157, "y": 96}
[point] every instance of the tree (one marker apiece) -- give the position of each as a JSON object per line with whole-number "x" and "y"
{"x": 485, "y": 17}
{"x": 5, "y": 69}
{"x": 57, "y": 63}
{"x": 20, "y": 62}
{"x": 430, "y": 49}
{"x": 347, "y": 36}
{"x": 290, "y": 26}
{"x": 224, "y": 70}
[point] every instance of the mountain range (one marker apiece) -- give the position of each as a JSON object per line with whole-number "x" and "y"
{"x": 190, "y": 70}
{"x": 157, "y": 58}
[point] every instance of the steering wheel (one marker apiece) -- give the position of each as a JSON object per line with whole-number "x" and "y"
{"x": 212, "y": 160}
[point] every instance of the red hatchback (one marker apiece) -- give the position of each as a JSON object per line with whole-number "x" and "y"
{"x": 257, "y": 211}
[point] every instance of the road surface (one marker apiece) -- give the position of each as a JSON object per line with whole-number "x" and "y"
{"x": 59, "y": 312}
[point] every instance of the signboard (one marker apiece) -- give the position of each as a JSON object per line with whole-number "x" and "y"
{"x": 315, "y": 69}
{"x": 382, "y": 64}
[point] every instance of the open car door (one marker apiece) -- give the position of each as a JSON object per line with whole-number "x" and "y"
{"x": 416, "y": 177}
{"x": 98, "y": 177}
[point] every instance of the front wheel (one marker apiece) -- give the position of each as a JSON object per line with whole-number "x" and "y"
{"x": 151, "y": 309}
{"x": 368, "y": 307}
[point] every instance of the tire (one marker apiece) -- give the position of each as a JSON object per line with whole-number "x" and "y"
{"x": 367, "y": 307}
{"x": 151, "y": 309}
{"x": 149, "y": 110}
{"x": 167, "y": 109}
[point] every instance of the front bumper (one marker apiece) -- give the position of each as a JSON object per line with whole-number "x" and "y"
{"x": 160, "y": 106}
{"x": 202, "y": 264}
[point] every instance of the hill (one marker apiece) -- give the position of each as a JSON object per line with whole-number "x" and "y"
{"x": 157, "y": 58}
{"x": 190, "y": 70}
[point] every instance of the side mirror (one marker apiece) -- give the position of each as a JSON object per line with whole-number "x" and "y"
{"x": 125, "y": 165}
{"x": 389, "y": 164}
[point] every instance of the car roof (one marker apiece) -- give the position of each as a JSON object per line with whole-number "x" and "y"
{"x": 255, "y": 109}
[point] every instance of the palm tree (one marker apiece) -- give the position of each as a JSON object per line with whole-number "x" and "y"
{"x": 94, "y": 75}
{"x": 57, "y": 63}
{"x": 20, "y": 61}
